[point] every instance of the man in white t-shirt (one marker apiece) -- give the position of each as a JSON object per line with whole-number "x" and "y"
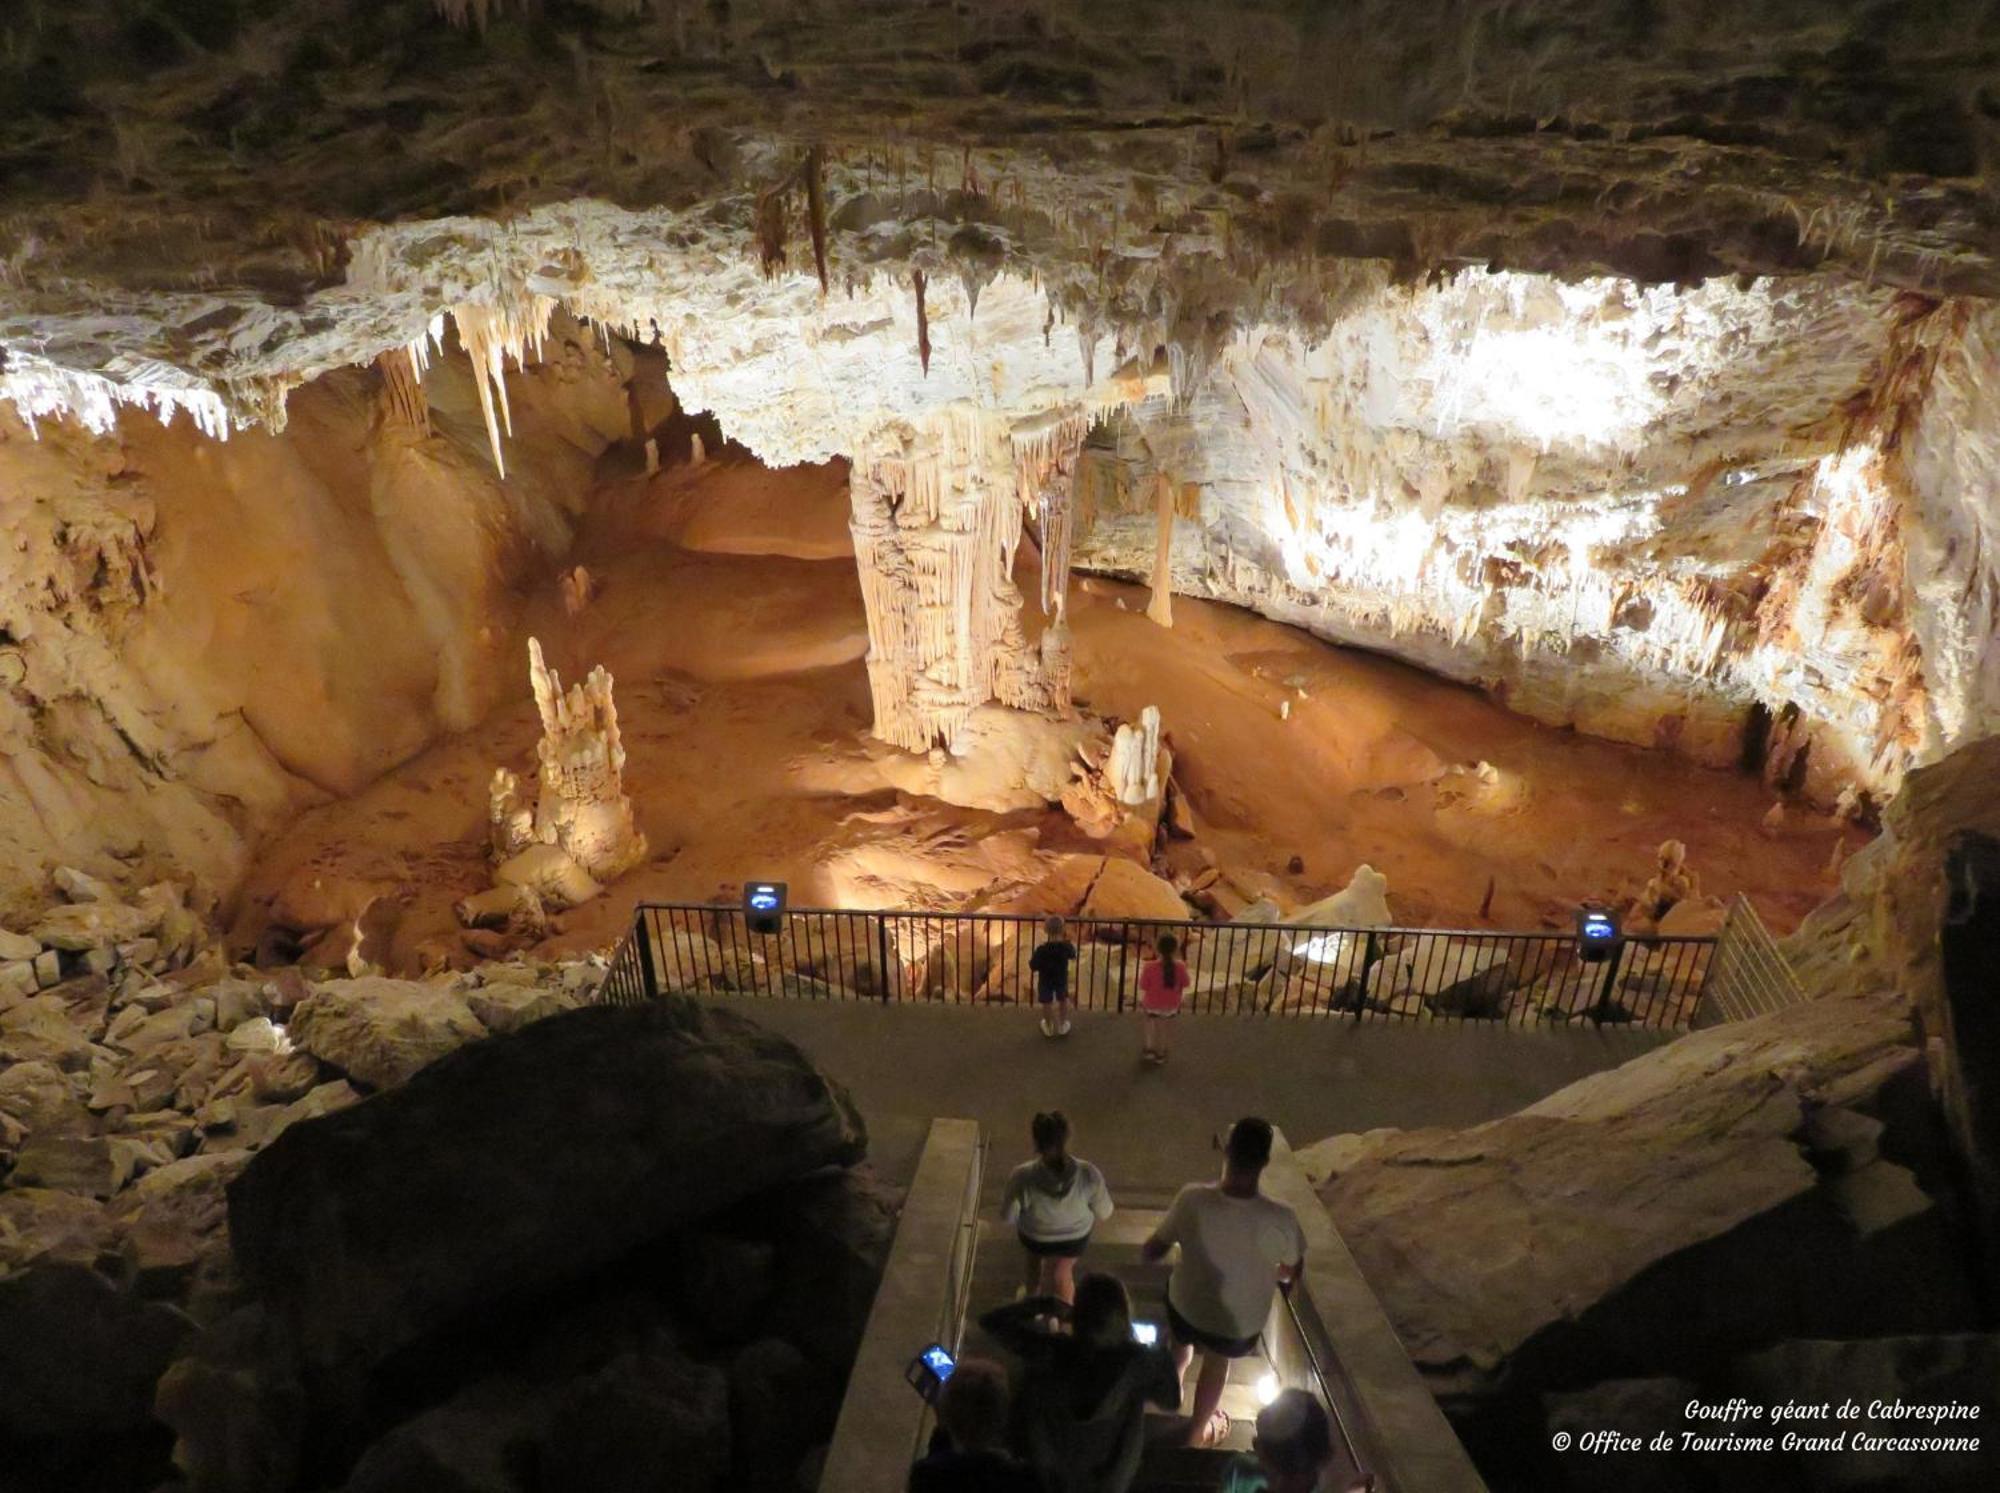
{"x": 1236, "y": 1246}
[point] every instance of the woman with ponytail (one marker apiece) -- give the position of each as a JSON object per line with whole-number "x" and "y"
{"x": 1054, "y": 1201}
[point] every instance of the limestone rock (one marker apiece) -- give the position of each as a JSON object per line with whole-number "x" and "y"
{"x": 174, "y": 1220}
{"x": 505, "y": 1008}
{"x": 781, "y": 1405}
{"x": 379, "y": 1031}
{"x": 80, "y": 886}
{"x": 79, "y": 1356}
{"x": 88, "y": 1165}
{"x": 513, "y": 1163}
{"x": 1125, "y": 889}
{"x": 18, "y": 947}
{"x": 1954, "y": 1369}
{"x": 645, "y": 1423}
{"x": 39, "y": 1224}
{"x": 41, "y": 1029}
{"x": 722, "y": 1283}
{"x": 93, "y": 925}
{"x": 1486, "y": 1244}
{"x": 43, "y": 1099}
{"x": 833, "y": 1235}
{"x": 1362, "y": 903}
{"x": 478, "y": 1441}
{"x": 1135, "y": 753}
{"x": 236, "y": 1407}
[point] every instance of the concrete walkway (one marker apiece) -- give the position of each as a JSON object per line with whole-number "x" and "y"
{"x": 1150, "y": 1129}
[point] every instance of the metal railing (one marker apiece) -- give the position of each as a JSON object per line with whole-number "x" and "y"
{"x": 1382, "y": 974}
{"x": 1749, "y": 974}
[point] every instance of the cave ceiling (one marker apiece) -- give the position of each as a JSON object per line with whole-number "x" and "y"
{"x": 204, "y": 202}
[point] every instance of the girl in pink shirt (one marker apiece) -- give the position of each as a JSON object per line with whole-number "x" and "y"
{"x": 1162, "y": 983}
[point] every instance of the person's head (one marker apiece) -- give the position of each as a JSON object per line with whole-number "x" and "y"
{"x": 1051, "y": 1133}
{"x": 1249, "y": 1146}
{"x": 1101, "y": 1316}
{"x": 1168, "y": 946}
{"x": 1294, "y": 1442}
{"x": 1052, "y": 928}
{"x": 972, "y": 1406}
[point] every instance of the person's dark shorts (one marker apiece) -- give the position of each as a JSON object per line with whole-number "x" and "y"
{"x": 1187, "y": 1333}
{"x": 1055, "y": 1249}
{"x": 1050, "y": 997}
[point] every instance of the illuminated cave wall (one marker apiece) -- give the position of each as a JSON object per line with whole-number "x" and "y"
{"x": 1641, "y": 511}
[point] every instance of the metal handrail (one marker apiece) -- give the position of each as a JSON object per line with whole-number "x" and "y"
{"x": 1386, "y": 973}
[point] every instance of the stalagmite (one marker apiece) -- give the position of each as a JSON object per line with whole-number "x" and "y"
{"x": 1135, "y": 759}
{"x": 1161, "y": 607}
{"x": 697, "y": 452}
{"x": 579, "y": 833}
{"x": 652, "y": 457}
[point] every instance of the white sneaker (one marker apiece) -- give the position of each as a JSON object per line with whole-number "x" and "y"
{"x": 1047, "y": 1030}
{"x": 1063, "y": 1029}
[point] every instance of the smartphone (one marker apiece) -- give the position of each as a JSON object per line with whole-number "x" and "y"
{"x": 1147, "y": 1333}
{"x": 929, "y": 1369}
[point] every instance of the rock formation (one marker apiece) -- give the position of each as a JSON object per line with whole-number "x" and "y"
{"x": 1583, "y": 1235}
{"x": 579, "y": 832}
{"x": 937, "y": 519}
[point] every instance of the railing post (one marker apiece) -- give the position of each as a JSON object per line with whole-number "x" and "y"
{"x": 882, "y": 953}
{"x": 1367, "y": 964}
{"x": 643, "y": 936}
{"x": 1610, "y": 981}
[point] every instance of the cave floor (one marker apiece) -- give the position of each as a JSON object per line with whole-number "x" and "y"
{"x": 729, "y": 613}
{"x": 1151, "y": 1129}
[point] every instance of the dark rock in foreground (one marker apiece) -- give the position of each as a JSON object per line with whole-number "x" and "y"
{"x": 518, "y": 1162}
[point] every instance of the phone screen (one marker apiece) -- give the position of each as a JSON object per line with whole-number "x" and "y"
{"x": 939, "y": 1362}
{"x": 1147, "y": 1333}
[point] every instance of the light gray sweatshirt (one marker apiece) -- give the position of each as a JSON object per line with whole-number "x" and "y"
{"x": 1051, "y": 1206}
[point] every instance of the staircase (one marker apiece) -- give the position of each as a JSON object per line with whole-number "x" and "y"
{"x": 1114, "y": 1249}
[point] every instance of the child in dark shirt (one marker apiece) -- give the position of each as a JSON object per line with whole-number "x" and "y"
{"x": 1050, "y": 962}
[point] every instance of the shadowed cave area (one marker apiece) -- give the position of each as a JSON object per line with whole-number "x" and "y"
{"x": 1357, "y": 489}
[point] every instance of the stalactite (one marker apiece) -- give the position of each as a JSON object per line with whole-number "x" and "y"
{"x": 1161, "y": 607}
{"x": 815, "y": 173}
{"x": 490, "y": 333}
{"x": 923, "y": 323}
{"x": 403, "y": 390}
{"x": 771, "y": 231}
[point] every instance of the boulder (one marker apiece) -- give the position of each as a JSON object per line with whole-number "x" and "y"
{"x": 1362, "y": 903}
{"x": 1631, "y": 1407}
{"x": 722, "y": 1283}
{"x": 43, "y": 1029}
{"x": 781, "y": 1405}
{"x": 93, "y": 925}
{"x": 1958, "y": 1369}
{"x": 481, "y": 1440}
{"x": 235, "y": 1406}
{"x": 1588, "y": 1229}
{"x": 833, "y": 1235}
{"x": 79, "y": 1356}
{"x": 18, "y": 981}
{"x": 43, "y": 1099}
{"x": 1125, "y": 889}
{"x": 645, "y": 1423}
{"x": 37, "y": 1223}
{"x": 507, "y": 1006}
{"x": 173, "y": 1221}
{"x": 81, "y": 886}
{"x": 523, "y": 1160}
{"x": 90, "y": 1166}
{"x": 378, "y": 1031}
{"x": 18, "y": 947}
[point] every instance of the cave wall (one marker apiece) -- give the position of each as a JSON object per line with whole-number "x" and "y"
{"x": 211, "y": 634}
{"x": 1641, "y": 512}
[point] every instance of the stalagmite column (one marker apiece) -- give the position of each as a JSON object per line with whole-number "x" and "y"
{"x": 1161, "y": 607}
{"x": 937, "y": 512}
{"x": 1134, "y": 768}
{"x": 580, "y": 831}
